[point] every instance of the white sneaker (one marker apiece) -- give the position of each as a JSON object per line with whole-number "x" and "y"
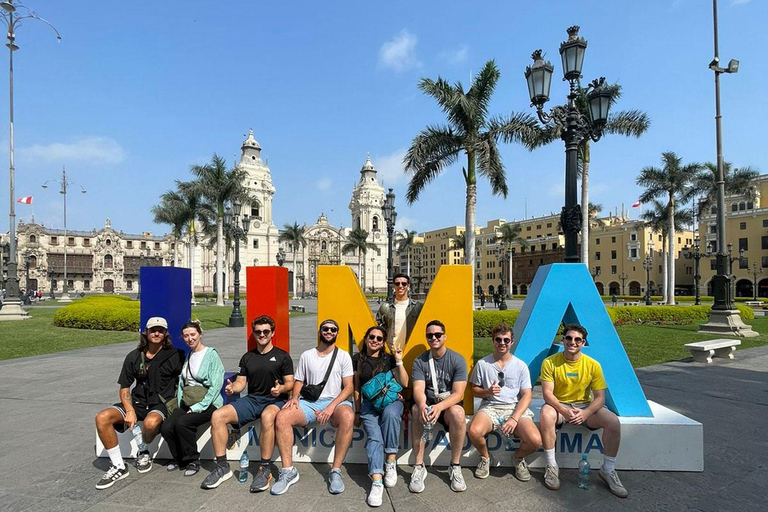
{"x": 417, "y": 478}
{"x": 390, "y": 474}
{"x": 457, "y": 479}
{"x": 376, "y": 494}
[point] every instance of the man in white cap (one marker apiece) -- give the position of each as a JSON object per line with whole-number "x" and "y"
{"x": 154, "y": 366}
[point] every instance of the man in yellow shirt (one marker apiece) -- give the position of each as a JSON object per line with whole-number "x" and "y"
{"x": 574, "y": 392}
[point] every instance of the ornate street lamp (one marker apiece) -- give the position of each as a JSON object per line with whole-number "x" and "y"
{"x": 12, "y": 19}
{"x": 390, "y": 217}
{"x": 572, "y": 124}
{"x": 502, "y": 256}
{"x": 755, "y": 272}
{"x": 26, "y": 300}
{"x": 623, "y": 278}
{"x": 648, "y": 265}
{"x": 231, "y": 218}
{"x": 696, "y": 256}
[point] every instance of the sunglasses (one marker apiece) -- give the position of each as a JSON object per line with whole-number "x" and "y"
{"x": 501, "y": 377}
{"x": 157, "y": 329}
{"x": 265, "y": 332}
{"x": 502, "y": 341}
{"x": 401, "y": 283}
{"x": 329, "y": 329}
{"x": 435, "y": 335}
{"x": 577, "y": 339}
{"x": 373, "y": 337}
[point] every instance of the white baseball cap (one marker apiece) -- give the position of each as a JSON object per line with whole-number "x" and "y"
{"x": 157, "y": 321}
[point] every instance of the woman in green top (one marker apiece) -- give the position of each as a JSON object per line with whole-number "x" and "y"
{"x": 203, "y": 370}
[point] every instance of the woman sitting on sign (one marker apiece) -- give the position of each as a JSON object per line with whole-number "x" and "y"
{"x": 379, "y": 377}
{"x": 198, "y": 394}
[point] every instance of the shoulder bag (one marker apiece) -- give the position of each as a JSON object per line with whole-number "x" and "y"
{"x": 312, "y": 392}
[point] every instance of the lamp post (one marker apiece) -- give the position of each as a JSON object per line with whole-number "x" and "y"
{"x": 12, "y": 19}
{"x": 648, "y": 265}
{"x": 373, "y": 274}
{"x": 231, "y": 218}
{"x": 623, "y": 278}
{"x": 502, "y": 256}
{"x": 390, "y": 217}
{"x": 65, "y": 183}
{"x": 755, "y": 272}
{"x": 572, "y": 124}
{"x": 26, "y": 300}
{"x": 696, "y": 255}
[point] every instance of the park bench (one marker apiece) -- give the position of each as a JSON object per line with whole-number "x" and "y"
{"x": 635, "y": 303}
{"x": 300, "y": 309}
{"x": 755, "y": 303}
{"x": 704, "y": 351}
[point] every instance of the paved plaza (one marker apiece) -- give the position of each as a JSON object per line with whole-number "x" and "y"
{"x": 47, "y": 436}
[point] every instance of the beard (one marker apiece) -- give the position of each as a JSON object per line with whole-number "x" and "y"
{"x": 332, "y": 341}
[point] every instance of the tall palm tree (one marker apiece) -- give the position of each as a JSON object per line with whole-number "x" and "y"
{"x": 294, "y": 235}
{"x": 168, "y": 212}
{"x": 674, "y": 182}
{"x": 509, "y": 234}
{"x": 459, "y": 242}
{"x": 469, "y": 131}
{"x": 405, "y": 245}
{"x": 358, "y": 242}
{"x": 220, "y": 186}
{"x": 737, "y": 182}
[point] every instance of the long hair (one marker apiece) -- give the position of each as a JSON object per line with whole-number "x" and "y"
{"x": 144, "y": 340}
{"x": 383, "y": 330}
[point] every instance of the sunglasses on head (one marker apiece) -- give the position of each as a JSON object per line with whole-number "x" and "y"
{"x": 373, "y": 337}
{"x": 265, "y": 332}
{"x": 329, "y": 329}
{"x": 435, "y": 335}
{"x": 401, "y": 283}
{"x": 577, "y": 339}
{"x": 502, "y": 341}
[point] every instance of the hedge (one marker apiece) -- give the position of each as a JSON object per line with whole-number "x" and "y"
{"x": 100, "y": 312}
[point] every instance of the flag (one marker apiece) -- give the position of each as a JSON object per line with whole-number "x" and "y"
{"x": 637, "y": 204}
{"x": 25, "y": 200}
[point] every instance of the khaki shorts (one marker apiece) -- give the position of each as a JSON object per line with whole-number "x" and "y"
{"x": 499, "y": 413}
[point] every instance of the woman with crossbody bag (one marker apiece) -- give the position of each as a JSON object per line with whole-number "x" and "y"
{"x": 379, "y": 377}
{"x": 198, "y": 394}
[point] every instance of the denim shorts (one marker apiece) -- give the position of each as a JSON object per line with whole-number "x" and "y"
{"x": 310, "y": 408}
{"x": 249, "y": 407}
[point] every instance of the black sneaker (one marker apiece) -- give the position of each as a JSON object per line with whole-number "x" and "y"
{"x": 262, "y": 479}
{"x": 216, "y": 477}
{"x": 112, "y": 475}
{"x": 143, "y": 462}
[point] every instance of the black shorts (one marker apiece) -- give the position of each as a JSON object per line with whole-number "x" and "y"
{"x": 141, "y": 413}
{"x": 441, "y": 418}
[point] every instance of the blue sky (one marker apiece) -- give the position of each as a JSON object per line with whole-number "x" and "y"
{"x": 136, "y": 93}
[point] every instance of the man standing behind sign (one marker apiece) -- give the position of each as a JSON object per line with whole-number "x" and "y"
{"x": 569, "y": 380}
{"x": 399, "y": 315}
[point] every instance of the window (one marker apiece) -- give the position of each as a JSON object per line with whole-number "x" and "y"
{"x": 129, "y": 244}
{"x": 614, "y": 270}
{"x": 712, "y": 264}
{"x": 527, "y": 228}
{"x": 533, "y": 248}
{"x": 71, "y": 240}
{"x": 375, "y": 223}
{"x": 742, "y": 206}
{"x": 742, "y": 226}
{"x": 255, "y": 243}
{"x": 86, "y": 284}
{"x": 33, "y": 238}
{"x": 157, "y": 246}
{"x": 764, "y": 242}
{"x": 597, "y": 256}
{"x": 597, "y": 269}
{"x": 764, "y": 261}
{"x": 32, "y": 262}
{"x": 744, "y": 244}
{"x": 597, "y": 241}
{"x": 323, "y": 245}
{"x": 713, "y": 210}
{"x": 554, "y": 246}
{"x": 765, "y": 223}
{"x": 129, "y": 285}
{"x": 633, "y": 253}
{"x": 613, "y": 255}
{"x": 86, "y": 242}
{"x": 543, "y": 247}
{"x": 633, "y": 237}
{"x": 549, "y": 224}
{"x": 538, "y": 226}
{"x": 613, "y": 239}
{"x": 256, "y": 210}
{"x": 734, "y": 207}
{"x": 744, "y": 262}
{"x": 143, "y": 245}
{"x": 713, "y": 229}
{"x": 750, "y": 205}
{"x": 54, "y": 240}
{"x": 108, "y": 261}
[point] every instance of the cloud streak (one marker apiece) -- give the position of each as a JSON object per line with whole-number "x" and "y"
{"x": 399, "y": 53}
{"x": 389, "y": 168}
{"x": 94, "y": 150}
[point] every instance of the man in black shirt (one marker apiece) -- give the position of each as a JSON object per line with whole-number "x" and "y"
{"x": 268, "y": 373}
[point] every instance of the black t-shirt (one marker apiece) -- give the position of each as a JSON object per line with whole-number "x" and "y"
{"x": 158, "y": 377}
{"x": 368, "y": 366}
{"x": 262, "y": 370}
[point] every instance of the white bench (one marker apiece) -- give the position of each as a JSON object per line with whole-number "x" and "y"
{"x": 704, "y": 351}
{"x": 755, "y": 303}
{"x": 300, "y": 309}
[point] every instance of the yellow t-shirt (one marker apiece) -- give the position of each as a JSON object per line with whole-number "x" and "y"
{"x": 573, "y": 381}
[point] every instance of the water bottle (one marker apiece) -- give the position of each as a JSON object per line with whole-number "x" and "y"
{"x": 427, "y": 435}
{"x": 584, "y": 472}
{"x": 509, "y": 444}
{"x": 244, "y": 464}
{"x": 138, "y": 436}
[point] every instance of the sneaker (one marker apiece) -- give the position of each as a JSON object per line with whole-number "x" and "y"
{"x": 552, "y": 478}
{"x": 483, "y": 467}
{"x": 192, "y": 468}
{"x": 614, "y": 484}
{"x": 417, "y": 478}
{"x": 287, "y": 478}
{"x": 216, "y": 477}
{"x": 172, "y": 466}
{"x": 335, "y": 483}
{"x": 261, "y": 479}
{"x": 521, "y": 470}
{"x": 143, "y": 462}
{"x": 376, "y": 494}
{"x": 390, "y": 474}
{"x": 457, "y": 479}
{"x": 112, "y": 475}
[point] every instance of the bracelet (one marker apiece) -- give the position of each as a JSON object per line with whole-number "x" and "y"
{"x": 399, "y": 363}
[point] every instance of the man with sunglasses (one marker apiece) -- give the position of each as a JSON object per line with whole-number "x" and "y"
{"x": 268, "y": 372}
{"x": 399, "y": 314}
{"x": 504, "y": 384}
{"x": 439, "y": 381}
{"x": 332, "y": 404}
{"x": 574, "y": 392}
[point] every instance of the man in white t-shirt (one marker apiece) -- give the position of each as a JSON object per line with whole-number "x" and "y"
{"x": 504, "y": 383}
{"x": 399, "y": 315}
{"x": 333, "y": 404}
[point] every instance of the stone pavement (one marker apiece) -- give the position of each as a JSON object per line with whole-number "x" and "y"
{"x": 47, "y": 405}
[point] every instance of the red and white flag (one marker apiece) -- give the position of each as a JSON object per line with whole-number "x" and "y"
{"x": 637, "y": 204}
{"x": 25, "y": 200}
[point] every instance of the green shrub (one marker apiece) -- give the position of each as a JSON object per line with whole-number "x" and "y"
{"x": 100, "y": 312}
{"x": 484, "y": 321}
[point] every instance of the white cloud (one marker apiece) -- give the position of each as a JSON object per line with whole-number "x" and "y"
{"x": 456, "y": 57}
{"x": 404, "y": 223}
{"x": 324, "y": 185}
{"x": 389, "y": 168}
{"x": 556, "y": 190}
{"x": 739, "y": 2}
{"x": 95, "y": 150}
{"x": 399, "y": 53}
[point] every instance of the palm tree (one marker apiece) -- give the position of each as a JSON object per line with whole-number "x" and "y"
{"x": 470, "y": 130}
{"x": 509, "y": 234}
{"x": 658, "y": 220}
{"x": 358, "y": 242}
{"x": 737, "y": 182}
{"x": 168, "y": 212}
{"x": 220, "y": 186}
{"x": 459, "y": 242}
{"x": 294, "y": 235}
{"x": 674, "y": 181}
{"x": 406, "y": 244}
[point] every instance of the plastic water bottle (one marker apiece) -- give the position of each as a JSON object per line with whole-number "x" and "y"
{"x": 244, "y": 465}
{"x": 427, "y": 435}
{"x": 584, "y": 472}
{"x": 138, "y": 436}
{"x": 509, "y": 444}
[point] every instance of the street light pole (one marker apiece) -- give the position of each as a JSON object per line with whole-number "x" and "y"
{"x": 12, "y": 309}
{"x": 390, "y": 217}
{"x": 695, "y": 255}
{"x": 236, "y": 318}
{"x": 755, "y": 272}
{"x": 647, "y": 265}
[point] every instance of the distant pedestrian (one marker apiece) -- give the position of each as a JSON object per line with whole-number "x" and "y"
{"x": 614, "y": 300}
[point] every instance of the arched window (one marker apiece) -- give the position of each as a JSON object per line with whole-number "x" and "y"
{"x": 256, "y": 210}
{"x": 750, "y": 205}
{"x": 108, "y": 261}
{"x": 32, "y": 262}
{"x": 323, "y": 246}
{"x": 375, "y": 223}
{"x": 32, "y": 239}
{"x": 357, "y": 222}
{"x": 742, "y": 206}
{"x": 734, "y": 207}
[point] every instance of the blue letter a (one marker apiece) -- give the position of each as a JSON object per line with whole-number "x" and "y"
{"x": 565, "y": 292}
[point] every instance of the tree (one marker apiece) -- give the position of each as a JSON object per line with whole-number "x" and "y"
{"x": 469, "y": 131}
{"x": 220, "y": 186}
{"x": 737, "y": 182}
{"x": 294, "y": 235}
{"x": 674, "y": 182}
{"x": 358, "y": 242}
{"x": 405, "y": 245}
{"x": 459, "y": 242}
{"x": 168, "y": 212}
{"x": 509, "y": 234}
